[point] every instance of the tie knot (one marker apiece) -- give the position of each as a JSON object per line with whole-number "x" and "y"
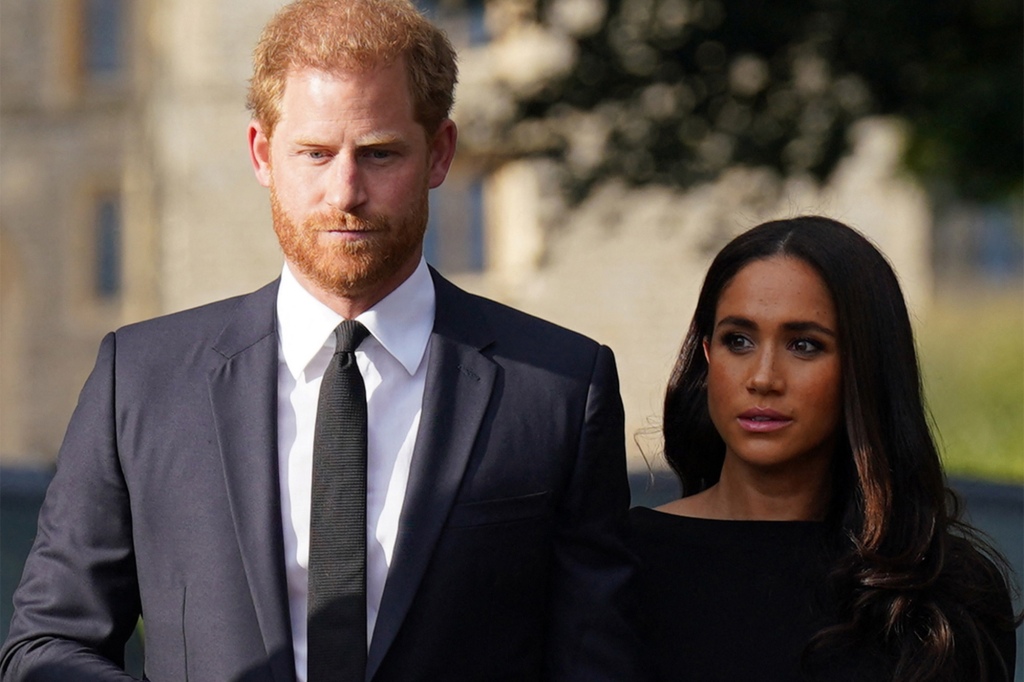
{"x": 349, "y": 334}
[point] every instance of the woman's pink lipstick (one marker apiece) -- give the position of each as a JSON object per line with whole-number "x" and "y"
{"x": 762, "y": 420}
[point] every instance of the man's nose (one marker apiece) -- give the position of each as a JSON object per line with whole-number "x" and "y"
{"x": 346, "y": 188}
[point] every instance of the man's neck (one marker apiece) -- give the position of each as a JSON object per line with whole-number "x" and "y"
{"x": 352, "y": 304}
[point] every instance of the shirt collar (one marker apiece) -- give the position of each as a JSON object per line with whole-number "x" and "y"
{"x": 401, "y": 322}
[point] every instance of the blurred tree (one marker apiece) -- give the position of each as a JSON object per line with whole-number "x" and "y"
{"x": 674, "y": 91}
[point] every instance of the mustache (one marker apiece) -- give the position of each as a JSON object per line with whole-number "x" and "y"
{"x": 327, "y": 221}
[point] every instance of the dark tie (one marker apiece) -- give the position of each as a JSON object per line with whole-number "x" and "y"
{"x": 337, "y": 527}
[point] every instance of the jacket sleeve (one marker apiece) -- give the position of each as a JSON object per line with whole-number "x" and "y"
{"x": 78, "y": 601}
{"x": 592, "y": 635}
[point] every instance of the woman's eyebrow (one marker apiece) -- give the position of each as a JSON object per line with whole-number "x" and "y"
{"x": 737, "y": 321}
{"x": 808, "y": 327}
{"x": 795, "y": 326}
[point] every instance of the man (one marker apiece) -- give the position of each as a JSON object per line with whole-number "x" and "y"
{"x": 190, "y": 484}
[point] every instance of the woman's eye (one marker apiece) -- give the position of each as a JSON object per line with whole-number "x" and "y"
{"x": 806, "y": 346}
{"x": 736, "y": 342}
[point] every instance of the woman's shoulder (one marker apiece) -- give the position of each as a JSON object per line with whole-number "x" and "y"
{"x": 657, "y": 535}
{"x": 961, "y": 586}
{"x": 647, "y": 523}
{"x": 660, "y": 522}
{"x": 975, "y": 576}
{"x": 656, "y": 526}
{"x": 970, "y": 562}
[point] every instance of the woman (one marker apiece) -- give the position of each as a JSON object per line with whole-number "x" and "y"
{"x": 815, "y": 538}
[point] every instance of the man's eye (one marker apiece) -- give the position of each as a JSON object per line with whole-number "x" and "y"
{"x": 316, "y": 154}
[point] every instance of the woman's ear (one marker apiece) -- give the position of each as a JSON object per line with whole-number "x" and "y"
{"x": 706, "y": 345}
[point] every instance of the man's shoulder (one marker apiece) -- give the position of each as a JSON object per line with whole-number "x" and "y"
{"x": 206, "y": 322}
{"x": 505, "y": 321}
{"x": 517, "y": 339}
{"x": 531, "y": 326}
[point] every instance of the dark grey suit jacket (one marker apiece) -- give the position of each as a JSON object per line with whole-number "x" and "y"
{"x": 509, "y": 563}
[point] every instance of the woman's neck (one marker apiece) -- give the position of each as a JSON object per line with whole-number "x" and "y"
{"x": 753, "y": 494}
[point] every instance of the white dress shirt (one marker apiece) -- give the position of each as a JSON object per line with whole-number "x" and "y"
{"x": 391, "y": 361}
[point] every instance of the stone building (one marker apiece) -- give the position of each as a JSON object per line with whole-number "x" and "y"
{"x": 126, "y": 192}
{"x": 65, "y": 107}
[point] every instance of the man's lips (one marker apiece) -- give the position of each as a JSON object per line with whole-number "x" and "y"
{"x": 343, "y": 228}
{"x": 763, "y": 420}
{"x": 342, "y": 233}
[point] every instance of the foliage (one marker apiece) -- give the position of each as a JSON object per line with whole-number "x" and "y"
{"x": 674, "y": 91}
{"x": 972, "y": 353}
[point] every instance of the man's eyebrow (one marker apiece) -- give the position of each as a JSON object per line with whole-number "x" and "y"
{"x": 378, "y": 138}
{"x": 309, "y": 142}
{"x": 369, "y": 140}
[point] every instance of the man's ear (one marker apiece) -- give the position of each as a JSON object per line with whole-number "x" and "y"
{"x": 259, "y": 153}
{"x": 442, "y": 151}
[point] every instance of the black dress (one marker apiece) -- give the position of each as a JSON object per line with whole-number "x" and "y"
{"x": 738, "y": 601}
{"x": 735, "y": 601}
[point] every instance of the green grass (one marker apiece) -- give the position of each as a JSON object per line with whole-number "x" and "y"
{"x": 972, "y": 357}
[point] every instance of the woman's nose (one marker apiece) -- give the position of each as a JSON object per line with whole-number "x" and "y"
{"x": 764, "y": 376}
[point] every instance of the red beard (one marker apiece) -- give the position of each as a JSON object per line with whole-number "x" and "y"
{"x": 343, "y": 268}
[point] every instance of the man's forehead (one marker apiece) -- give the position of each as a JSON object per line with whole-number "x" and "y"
{"x": 344, "y": 69}
{"x": 312, "y": 84}
{"x": 318, "y": 105}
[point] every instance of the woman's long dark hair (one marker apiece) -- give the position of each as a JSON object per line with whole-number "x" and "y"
{"x": 910, "y": 579}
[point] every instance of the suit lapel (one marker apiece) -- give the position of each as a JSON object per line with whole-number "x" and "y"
{"x": 243, "y": 394}
{"x": 458, "y": 388}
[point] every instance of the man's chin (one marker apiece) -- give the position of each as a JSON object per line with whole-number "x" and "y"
{"x": 360, "y": 269}
{"x": 349, "y": 277}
